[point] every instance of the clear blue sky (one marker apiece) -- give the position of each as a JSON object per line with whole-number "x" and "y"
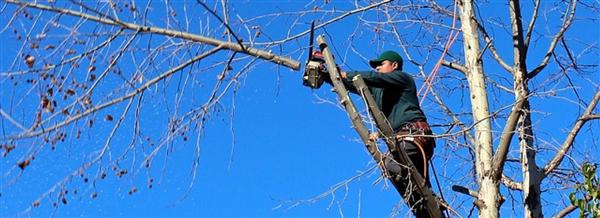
{"x": 283, "y": 145}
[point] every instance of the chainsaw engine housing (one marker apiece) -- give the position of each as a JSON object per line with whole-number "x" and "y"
{"x": 313, "y": 77}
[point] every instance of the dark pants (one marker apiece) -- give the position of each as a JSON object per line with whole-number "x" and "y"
{"x": 404, "y": 184}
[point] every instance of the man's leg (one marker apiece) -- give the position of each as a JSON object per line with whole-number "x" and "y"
{"x": 404, "y": 184}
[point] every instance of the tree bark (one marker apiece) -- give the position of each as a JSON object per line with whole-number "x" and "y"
{"x": 346, "y": 101}
{"x": 532, "y": 177}
{"x": 488, "y": 184}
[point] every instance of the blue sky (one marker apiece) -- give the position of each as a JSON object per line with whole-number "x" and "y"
{"x": 274, "y": 143}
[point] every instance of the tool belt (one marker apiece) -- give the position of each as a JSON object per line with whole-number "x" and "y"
{"x": 417, "y": 132}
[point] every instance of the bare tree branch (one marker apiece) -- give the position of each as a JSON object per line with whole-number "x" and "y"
{"x": 11, "y": 120}
{"x": 534, "y": 16}
{"x": 565, "y": 212}
{"x": 346, "y": 101}
{"x": 358, "y": 10}
{"x": 567, "y": 22}
{"x": 490, "y": 42}
{"x": 70, "y": 60}
{"x": 568, "y": 143}
{"x": 137, "y": 91}
{"x": 464, "y": 190}
{"x": 267, "y": 55}
{"x": 506, "y": 138}
{"x": 514, "y": 185}
{"x": 455, "y": 66}
{"x": 225, "y": 23}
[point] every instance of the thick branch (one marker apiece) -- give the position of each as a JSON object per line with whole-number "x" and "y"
{"x": 455, "y": 66}
{"x": 346, "y": 101}
{"x": 464, "y": 190}
{"x": 565, "y": 211}
{"x": 378, "y": 116}
{"x": 469, "y": 192}
{"x": 506, "y": 138}
{"x": 569, "y": 209}
{"x": 590, "y": 117}
{"x": 568, "y": 143}
{"x": 519, "y": 48}
{"x": 266, "y": 55}
{"x": 511, "y": 184}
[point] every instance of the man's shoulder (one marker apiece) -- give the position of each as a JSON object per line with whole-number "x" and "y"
{"x": 403, "y": 74}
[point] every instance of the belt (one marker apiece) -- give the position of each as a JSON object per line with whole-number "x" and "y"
{"x": 419, "y": 125}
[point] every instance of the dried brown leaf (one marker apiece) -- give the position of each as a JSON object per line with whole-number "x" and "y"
{"x": 7, "y": 149}
{"x": 70, "y": 92}
{"x": 47, "y": 105}
{"x": 24, "y": 164}
{"x": 29, "y": 60}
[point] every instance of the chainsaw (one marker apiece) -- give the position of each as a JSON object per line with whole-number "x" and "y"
{"x": 314, "y": 69}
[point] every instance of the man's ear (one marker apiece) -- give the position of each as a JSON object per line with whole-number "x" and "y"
{"x": 395, "y": 65}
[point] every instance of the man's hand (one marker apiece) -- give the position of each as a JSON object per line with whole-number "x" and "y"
{"x": 374, "y": 136}
{"x": 323, "y": 71}
{"x": 344, "y": 75}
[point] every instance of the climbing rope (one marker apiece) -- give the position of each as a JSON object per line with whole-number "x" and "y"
{"x": 426, "y": 87}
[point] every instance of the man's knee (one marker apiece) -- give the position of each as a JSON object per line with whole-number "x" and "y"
{"x": 392, "y": 166}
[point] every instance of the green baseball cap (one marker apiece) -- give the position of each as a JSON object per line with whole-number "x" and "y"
{"x": 387, "y": 55}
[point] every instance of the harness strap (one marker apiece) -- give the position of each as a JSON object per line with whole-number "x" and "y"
{"x": 419, "y": 127}
{"x": 420, "y": 146}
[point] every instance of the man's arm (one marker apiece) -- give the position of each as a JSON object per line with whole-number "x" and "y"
{"x": 347, "y": 83}
{"x": 381, "y": 80}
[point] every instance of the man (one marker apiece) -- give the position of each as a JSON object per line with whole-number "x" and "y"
{"x": 396, "y": 95}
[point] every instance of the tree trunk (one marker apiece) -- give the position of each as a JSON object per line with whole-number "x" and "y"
{"x": 531, "y": 174}
{"x": 488, "y": 185}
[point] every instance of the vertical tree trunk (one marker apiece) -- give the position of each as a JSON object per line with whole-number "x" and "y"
{"x": 532, "y": 177}
{"x": 531, "y": 174}
{"x": 488, "y": 184}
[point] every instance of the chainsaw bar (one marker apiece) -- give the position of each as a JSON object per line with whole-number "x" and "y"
{"x": 312, "y": 72}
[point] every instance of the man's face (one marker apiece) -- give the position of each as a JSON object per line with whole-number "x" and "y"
{"x": 386, "y": 67}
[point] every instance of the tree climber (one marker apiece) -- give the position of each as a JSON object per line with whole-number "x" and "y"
{"x": 395, "y": 94}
